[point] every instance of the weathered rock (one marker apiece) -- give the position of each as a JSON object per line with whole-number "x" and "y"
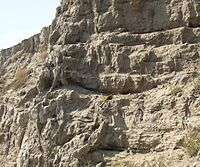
{"x": 109, "y": 82}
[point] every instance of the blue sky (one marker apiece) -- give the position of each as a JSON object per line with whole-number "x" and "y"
{"x": 21, "y": 19}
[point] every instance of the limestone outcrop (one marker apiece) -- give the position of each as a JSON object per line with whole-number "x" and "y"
{"x": 108, "y": 83}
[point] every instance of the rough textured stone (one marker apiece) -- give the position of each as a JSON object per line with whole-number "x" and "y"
{"x": 108, "y": 83}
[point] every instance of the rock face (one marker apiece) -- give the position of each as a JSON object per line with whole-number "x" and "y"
{"x": 108, "y": 83}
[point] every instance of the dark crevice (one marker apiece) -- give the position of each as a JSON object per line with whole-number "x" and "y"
{"x": 159, "y": 30}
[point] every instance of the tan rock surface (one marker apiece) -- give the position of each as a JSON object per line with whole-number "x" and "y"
{"x": 108, "y": 83}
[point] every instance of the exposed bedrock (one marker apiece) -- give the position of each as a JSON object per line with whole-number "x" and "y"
{"x": 108, "y": 83}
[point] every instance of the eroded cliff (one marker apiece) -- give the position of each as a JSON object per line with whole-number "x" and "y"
{"x": 108, "y": 83}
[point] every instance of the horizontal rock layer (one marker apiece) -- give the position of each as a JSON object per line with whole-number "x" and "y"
{"x": 108, "y": 83}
